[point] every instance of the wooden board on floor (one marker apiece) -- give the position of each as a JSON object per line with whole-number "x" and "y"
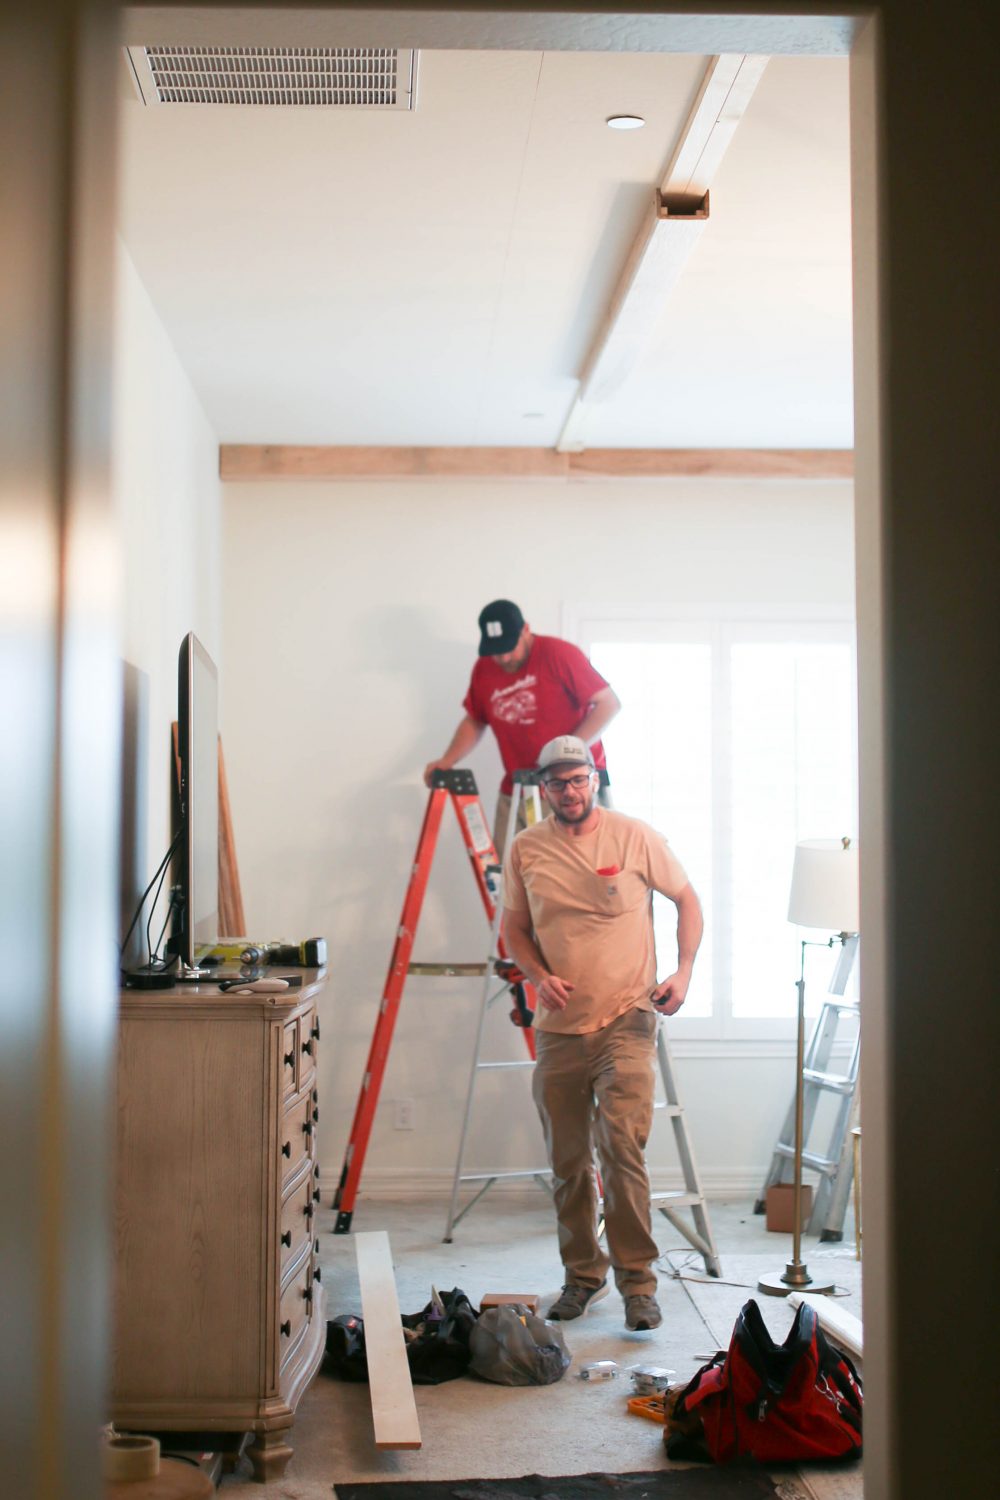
{"x": 836, "y": 1322}
{"x": 394, "y": 1412}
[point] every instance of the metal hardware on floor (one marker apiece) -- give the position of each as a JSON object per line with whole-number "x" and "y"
{"x": 525, "y": 799}
{"x": 458, "y": 787}
{"x": 835, "y": 1164}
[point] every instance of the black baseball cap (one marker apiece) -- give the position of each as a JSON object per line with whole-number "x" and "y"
{"x": 500, "y": 626}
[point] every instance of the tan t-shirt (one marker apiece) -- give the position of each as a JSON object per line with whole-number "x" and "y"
{"x": 590, "y": 900}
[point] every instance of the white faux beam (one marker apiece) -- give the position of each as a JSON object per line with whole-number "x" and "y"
{"x": 667, "y": 237}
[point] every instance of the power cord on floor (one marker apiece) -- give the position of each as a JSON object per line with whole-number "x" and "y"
{"x": 677, "y": 1273}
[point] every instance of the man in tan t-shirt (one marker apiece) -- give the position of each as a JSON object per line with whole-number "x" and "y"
{"x": 578, "y": 921}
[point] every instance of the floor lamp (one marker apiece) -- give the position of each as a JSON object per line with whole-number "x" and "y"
{"x": 824, "y": 894}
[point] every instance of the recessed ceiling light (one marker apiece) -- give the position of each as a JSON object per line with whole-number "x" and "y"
{"x": 625, "y": 122}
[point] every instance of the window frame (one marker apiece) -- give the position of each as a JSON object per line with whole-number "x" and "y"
{"x": 722, "y": 626}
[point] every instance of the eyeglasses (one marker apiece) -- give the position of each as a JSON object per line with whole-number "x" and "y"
{"x": 562, "y": 784}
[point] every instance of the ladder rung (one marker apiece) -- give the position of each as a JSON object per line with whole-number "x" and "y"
{"x": 809, "y": 1158}
{"x": 525, "y": 1062}
{"x": 459, "y": 969}
{"x": 831, "y": 1004}
{"x": 836, "y": 1083}
{"x": 672, "y": 1109}
{"x": 677, "y": 1199}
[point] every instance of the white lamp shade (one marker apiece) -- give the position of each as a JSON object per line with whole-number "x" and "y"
{"x": 825, "y": 885}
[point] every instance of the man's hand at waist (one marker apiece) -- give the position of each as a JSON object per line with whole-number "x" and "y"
{"x": 669, "y": 996}
{"x": 552, "y": 991}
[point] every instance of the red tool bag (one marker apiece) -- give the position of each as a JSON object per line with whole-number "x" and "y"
{"x": 774, "y": 1403}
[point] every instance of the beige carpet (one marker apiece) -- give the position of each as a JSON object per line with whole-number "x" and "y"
{"x": 471, "y": 1429}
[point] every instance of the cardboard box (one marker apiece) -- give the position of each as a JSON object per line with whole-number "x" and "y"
{"x": 779, "y": 1207}
{"x": 530, "y": 1300}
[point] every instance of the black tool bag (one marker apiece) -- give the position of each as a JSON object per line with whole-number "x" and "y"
{"x": 437, "y": 1342}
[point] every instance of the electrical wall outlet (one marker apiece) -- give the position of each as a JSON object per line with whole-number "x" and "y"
{"x": 403, "y": 1116}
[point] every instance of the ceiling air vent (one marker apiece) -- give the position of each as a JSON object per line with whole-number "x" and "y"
{"x": 328, "y": 77}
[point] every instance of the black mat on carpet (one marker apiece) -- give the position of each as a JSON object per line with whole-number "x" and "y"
{"x": 665, "y": 1484}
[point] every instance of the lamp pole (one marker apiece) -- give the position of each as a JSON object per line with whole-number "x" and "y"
{"x": 824, "y": 894}
{"x": 796, "y": 1275}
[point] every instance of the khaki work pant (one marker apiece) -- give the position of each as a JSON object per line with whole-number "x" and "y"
{"x": 597, "y": 1087}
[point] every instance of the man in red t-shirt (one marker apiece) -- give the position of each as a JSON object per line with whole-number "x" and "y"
{"x": 528, "y": 689}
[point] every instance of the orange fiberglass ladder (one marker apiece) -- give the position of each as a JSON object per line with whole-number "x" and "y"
{"x": 458, "y": 787}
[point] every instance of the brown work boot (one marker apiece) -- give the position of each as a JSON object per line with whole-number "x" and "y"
{"x": 642, "y": 1313}
{"x": 574, "y": 1301}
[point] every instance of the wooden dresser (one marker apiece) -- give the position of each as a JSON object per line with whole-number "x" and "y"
{"x": 219, "y": 1312}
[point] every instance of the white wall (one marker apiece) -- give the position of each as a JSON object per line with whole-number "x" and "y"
{"x": 165, "y": 475}
{"x": 349, "y": 634}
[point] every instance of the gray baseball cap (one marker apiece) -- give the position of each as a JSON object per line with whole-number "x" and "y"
{"x": 564, "y": 750}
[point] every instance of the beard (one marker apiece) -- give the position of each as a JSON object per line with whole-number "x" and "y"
{"x": 579, "y": 815}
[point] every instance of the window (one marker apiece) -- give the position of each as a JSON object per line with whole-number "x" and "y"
{"x": 736, "y": 739}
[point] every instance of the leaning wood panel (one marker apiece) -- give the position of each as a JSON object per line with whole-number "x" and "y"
{"x": 394, "y": 1412}
{"x": 232, "y": 922}
{"x": 250, "y": 462}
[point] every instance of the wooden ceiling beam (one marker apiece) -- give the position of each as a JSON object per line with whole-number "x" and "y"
{"x": 273, "y": 461}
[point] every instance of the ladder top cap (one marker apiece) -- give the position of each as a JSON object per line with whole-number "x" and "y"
{"x": 462, "y": 782}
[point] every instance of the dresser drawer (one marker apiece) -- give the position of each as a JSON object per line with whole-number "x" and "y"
{"x": 297, "y": 1134}
{"x": 308, "y": 1043}
{"x": 293, "y": 1315}
{"x": 290, "y": 1060}
{"x": 297, "y": 1215}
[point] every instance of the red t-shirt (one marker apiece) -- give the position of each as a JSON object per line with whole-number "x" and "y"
{"x": 548, "y": 696}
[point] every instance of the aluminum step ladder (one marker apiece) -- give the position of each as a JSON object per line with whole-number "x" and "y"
{"x": 698, "y": 1233}
{"x": 525, "y": 799}
{"x": 834, "y": 1164}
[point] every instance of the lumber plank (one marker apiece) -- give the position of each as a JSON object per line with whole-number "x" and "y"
{"x": 394, "y": 1411}
{"x": 841, "y": 1326}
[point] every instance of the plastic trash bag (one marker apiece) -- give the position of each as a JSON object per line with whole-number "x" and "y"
{"x": 511, "y": 1346}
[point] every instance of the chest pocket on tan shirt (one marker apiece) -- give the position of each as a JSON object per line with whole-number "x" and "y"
{"x": 621, "y": 892}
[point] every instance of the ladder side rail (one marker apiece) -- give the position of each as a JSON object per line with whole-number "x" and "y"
{"x": 839, "y": 1154}
{"x": 704, "y": 1240}
{"x": 482, "y": 854}
{"x": 831, "y": 1225}
{"x": 385, "y": 1021}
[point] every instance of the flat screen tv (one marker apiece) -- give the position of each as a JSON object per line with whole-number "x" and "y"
{"x": 198, "y": 750}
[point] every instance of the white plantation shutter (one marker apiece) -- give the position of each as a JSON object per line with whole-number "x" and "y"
{"x": 737, "y": 738}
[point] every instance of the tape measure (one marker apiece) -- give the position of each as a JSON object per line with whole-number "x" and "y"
{"x": 650, "y": 1407}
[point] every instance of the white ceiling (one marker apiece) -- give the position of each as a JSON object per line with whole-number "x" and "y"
{"x": 436, "y": 277}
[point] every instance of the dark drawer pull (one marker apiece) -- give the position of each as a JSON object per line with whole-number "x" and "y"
{"x": 316, "y": 1115}
{"x": 315, "y": 1030}
{"x": 308, "y": 1047}
{"x": 318, "y": 1273}
{"x": 317, "y": 1252}
{"x": 286, "y": 1149}
{"x": 307, "y": 1127}
{"x": 315, "y": 1096}
{"x": 315, "y": 1195}
{"x": 286, "y": 1238}
{"x": 308, "y": 1210}
{"x": 289, "y": 1059}
{"x": 286, "y": 1329}
{"x": 307, "y": 1295}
